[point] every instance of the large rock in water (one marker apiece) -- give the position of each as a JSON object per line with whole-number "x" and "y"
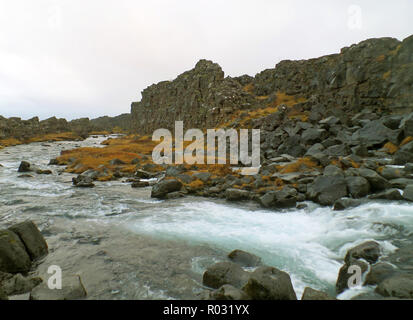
{"x": 72, "y": 289}
{"x": 25, "y": 167}
{"x": 369, "y": 251}
{"x": 408, "y": 193}
{"x": 228, "y": 292}
{"x": 358, "y": 187}
{"x": 267, "y": 283}
{"x": 397, "y": 286}
{"x": 236, "y": 194}
{"x": 13, "y": 255}
{"x": 162, "y": 188}
{"x": 315, "y": 295}
{"x": 225, "y": 273}
{"x": 327, "y": 189}
{"x": 375, "y": 133}
{"x": 32, "y": 239}
{"x": 404, "y": 154}
{"x": 245, "y": 259}
{"x": 344, "y": 275}
{"x": 377, "y": 182}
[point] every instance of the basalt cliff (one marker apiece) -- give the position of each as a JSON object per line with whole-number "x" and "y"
{"x": 375, "y": 75}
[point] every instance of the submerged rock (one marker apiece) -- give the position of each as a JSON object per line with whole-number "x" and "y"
{"x": 369, "y": 251}
{"x": 311, "y": 294}
{"x": 163, "y": 187}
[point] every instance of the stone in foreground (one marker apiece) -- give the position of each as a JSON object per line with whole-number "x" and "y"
{"x": 72, "y": 289}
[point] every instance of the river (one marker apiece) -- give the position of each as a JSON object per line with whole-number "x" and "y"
{"x": 126, "y": 245}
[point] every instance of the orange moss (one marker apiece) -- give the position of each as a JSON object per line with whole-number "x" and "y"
{"x": 302, "y": 164}
{"x": 386, "y": 75}
{"x": 406, "y": 141}
{"x": 381, "y": 58}
{"x": 390, "y": 148}
{"x": 10, "y": 142}
{"x": 249, "y": 88}
{"x": 196, "y": 184}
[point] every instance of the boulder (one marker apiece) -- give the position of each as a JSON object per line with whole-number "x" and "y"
{"x": 338, "y": 150}
{"x": 313, "y": 135}
{"x": 391, "y": 173}
{"x": 407, "y": 125}
{"x": 331, "y": 170}
{"x": 142, "y": 174}
{"x": 140, "y": 184}
{"x": 245, "y": 259}
{"x": 228, "y": 292}
{"x": 375, "y": 133}
{"x": 378, "y": 273}
{"x": 404, "y": 154}
{"x": 203, "y": 176}
{"x": 236, "y": 194}
{"x": 358, "y": 187}
{"x": 346, "y": 203}
{"x": 390, "y": 194}
{"x": 408, "y": 193}
{"x": 397, "y": 286}
{"x": 32, "y": 239}
{"x": 225, "y": 273}
{"x": 72, "y": 289}
{"x": 315, "y": 295}
{"x": 401, "y": 183}
{"x": 13, "y": 255}
{"x": 268, "y": 283}
{"x": 17, "y": 284}
{"x": 327, "y": 189}
{"x": 344, "y": 275}
{"x": 376, "y": 181}
{"x": 292, "y": 146}
{"x": 369, "y": 251}
{"x": 285, "y": 198}
{"x": 83, "y": 182}
{"x": 25, "y": 167}
{"x": 116, "y": 162}
{"x": 163, "y": 187}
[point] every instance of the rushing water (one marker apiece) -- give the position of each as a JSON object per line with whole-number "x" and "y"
{"x": 309, "y": 244}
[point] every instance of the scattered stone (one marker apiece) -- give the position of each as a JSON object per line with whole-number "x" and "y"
{"x": 163, "y": 187}
{"x": 378, "y": 273}
{"x": 327, "y": 189}
{"x": 358, "y": 187}
{"x": 267, "y": 283}
{"x": 203, "y": 176}
{"x": 18, "y": 284}
{"x": 397, "y": 286}
{"x": 377, "y": 182}
{"x": 236, "y": 194}
{"x": 116, "y": 162}
{"x": 225, "y": 273}
{"x": 408, "y": 193}
{"x": 369, "y": 251}
{"x": 390, "y": 194}
{"x": 315, "y": 295}
{"x": 13, "y": 255}
{"x": 245, "y": 259}
{"x": 32, "y": 239}
{"x": 83, "y": 182}
{"x": 140, "y": 184}
{"x": 344, "y": 275}
{"x": 228, "y": 292}
{"x": 142, "y": 174}
{"x": 24, "y": 167}
{"x": 346, "y": 203}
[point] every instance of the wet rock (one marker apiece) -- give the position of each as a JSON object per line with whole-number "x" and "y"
{"x": 407, "y": 125}
{"x": 225, "y": 273}
{"x": 408, "y": 168}
{"x": 285, "y": 198}
{"x": 397, "y": 286}
{"x": 116, "y": 162}
{"x": 245, "y": 259}
{"x": 390, "y": 173}
{"x": 46, "y": 172}
{"x": 327, "y": 189}
{"x": 376, "y": 181}
{"x": 344, "y": 274}
{"x": 358, "y": 187}
{"x": 268, "y": 283}
{"x": 32, "y": 239}
{"x": 17, "y": 284}
{"x": 72, "y": 289}
{"x": 163, "y": 187}
{"x": 228, "y": 292}
{"x": 404, "y": 154}
{"x": 369, "y": 251}
{"x": 83, "y": 182}
{"x": 140, "y": 184}
{"x": 13, "y": 255}
{"x": 408, "y": 193}
{"x": 142, "y": 174}
{"x": 378, "y": 273}
{"x": 203, "y": 176}
{"x": 315, "y": 295}
{"x": 346, "y": 203}
{"x": 53, "y": 162}
{"x": 390, "y": 194}
{"x": 174, "y": 195}
{"x": 25, "y": 167}
{"x": 236, "y": 194}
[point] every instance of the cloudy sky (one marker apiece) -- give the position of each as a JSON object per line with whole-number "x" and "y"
{"x": 75, "y": 58}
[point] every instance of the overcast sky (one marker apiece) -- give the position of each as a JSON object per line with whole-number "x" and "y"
{"x": 75, "y": 58}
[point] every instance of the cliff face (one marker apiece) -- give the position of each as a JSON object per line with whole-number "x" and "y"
{"x": 374, "y": 75}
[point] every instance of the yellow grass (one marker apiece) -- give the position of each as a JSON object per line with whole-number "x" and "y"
{"x": 390, "y": 148}
{"x": 301, "y": 165}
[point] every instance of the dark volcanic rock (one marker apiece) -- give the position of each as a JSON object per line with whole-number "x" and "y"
{"x": 13, "y": 255}
{"x": 377, "y": 182}
{"x": 245, "y": 259}
{"x": 327, "y": 189}
{"x": 408, "y": 193}
{"x": 32, "y": 239}
{"x": 369, "y": 251}
{"x": 397, "y": 286}
{"x": 24, "y": 167}
{"x": 236, "y": 194}
{"x": 358, "y": 187}
{"x": 344, "y": 275}
{"x": 225, "y": 273}
{"x": 267, "y": 283}
{"x": 162, "y": 188}
{"x": 228, "y": 292}
{"x": 311, "y": 294}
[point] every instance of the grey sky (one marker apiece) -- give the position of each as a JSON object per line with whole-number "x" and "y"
{"x": 74, "y": 58}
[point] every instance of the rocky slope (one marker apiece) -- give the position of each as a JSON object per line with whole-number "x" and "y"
{"x": 374, "y": 75}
